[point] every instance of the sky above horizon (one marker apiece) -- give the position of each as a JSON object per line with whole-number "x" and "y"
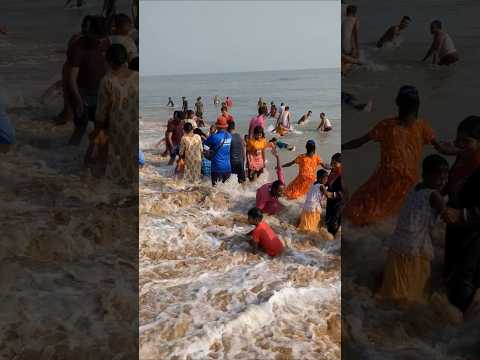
{"x": 202, "y": 37}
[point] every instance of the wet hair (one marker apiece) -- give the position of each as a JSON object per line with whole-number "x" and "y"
{"x": 122, "y": 19}
{"x": 231, "y": 126}
{"x": 190, "y": 113}
{"x": 223, "y": 108}
{"x": 408, "y": 101}
{"x": 275, "y": 185}
{"x": 258, "y": 130}
{"x": 180, "y": 115}
{"x": 309, "y": 111}
{"x": 351, "y": 10}
{"x": 321, "y": 173}
{"x": 274, "y": 139}
{"x": 310, "y": 146}
{"x": 337, "y": 157}
{"x": 262, "y": 110}
{"x": 470, "y": 126}
{"x": 117, "y": 55}
{"x": 436, "y": 23}
{"x": 433, "y": 163}
{"x": 98, "y": 27}
{"x": 255, "y": 213}
{"x": 282, "y": 104}
{"x": 406, "y": 18}
{"x": 322, "y": 113}
{"x": 134, "y": 65}
{"x": 188, "y": 127}
{"x": 287, "y": 107}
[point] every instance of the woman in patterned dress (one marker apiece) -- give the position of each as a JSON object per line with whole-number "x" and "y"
{"x": 191, "y": 150}
{"x": 117, "y": 111}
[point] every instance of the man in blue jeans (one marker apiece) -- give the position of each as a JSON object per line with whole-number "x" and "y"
{"x": 219, "y": 143}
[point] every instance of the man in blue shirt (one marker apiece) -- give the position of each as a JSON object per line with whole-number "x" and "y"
{"x": 219, "y": 143}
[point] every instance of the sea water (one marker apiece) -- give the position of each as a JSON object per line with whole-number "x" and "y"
{"x": 203, "y": 293}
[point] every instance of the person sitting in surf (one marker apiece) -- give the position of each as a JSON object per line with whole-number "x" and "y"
{"x": 442, "y": 48}
{"x": 274, "y": 143}
{"x": 263, "y": 236}
{"x": 283, "y": 123}
{"x": 304, "y": 117}
{"x": 393, "y": 32}
{"x": 325, "y": 124}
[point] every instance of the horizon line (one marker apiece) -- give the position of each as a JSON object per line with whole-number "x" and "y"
{"x": 240, "y": 72}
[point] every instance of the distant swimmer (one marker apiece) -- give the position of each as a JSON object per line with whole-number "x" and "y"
{"x": 442, "y": 48}
{"x": 325, "y": 124}
{"x": 229, "y": 102}
{"x": 393, "y": 32}
{"x": 350, "y": 33}
{"x": 350, "y": 99}
{"x": 170, "y": 102}
{"x": 199, "y": 108}
{"x": 216, "y": 101}
{"x": 304, "y": 118}
{"x": 273, "y": 109}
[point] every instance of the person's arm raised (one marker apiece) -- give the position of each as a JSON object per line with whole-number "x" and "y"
{"x": 356, "y": 143}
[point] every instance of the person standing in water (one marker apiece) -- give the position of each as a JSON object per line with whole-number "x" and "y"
{"x": 170, "y": 102}
{"x": 393, "y": 32}
{"x": 273, "y": 109}
{"x": 184, "y": 104}
{"x": 402, "y": 139}
{"x": 442, "y": 48}
{"x": 325, "y": 124}
{"x": 304, "y": 118}
{"x": 283, "y": 123}
{"x": 216, "y": 101}
{"x": 237, "y": 154}
{"x": 229, "y": 102}
{"x": 259, "y": 103}
{"x": 199, "y": 108}
{"x": 350, "y": 33}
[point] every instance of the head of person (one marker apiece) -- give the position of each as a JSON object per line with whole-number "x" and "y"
{"x": 212, "y": 129}
{"x": 190, "y": 114}
{"x": 282, "y": 104}
{"x": 405, "y": 22}
{"x": 435, "y": 171}
{"x": 468, "y": 135}
{"x": 199, "y": 132}
{"x": 231, "y": 127}
{"x": 255, "y": 216}
{"x": 87, "y": 20}
{"x": 322, "y": 115}
{"x": 310, "y": 147}
{"x": 199, "y": 98}
{"x": 336, "y": 161}
{"x": 188, "y": 128}
{"x": 309, "y": 112}
{"x": 272, "y": 103}
{"x": 322, "y": 176}
{"x": 245, "y": 137}
{"x": 351, "y": 10}
{"x": 287, "y": 108}
{"x": 97, "y": 28}
{"x": 123, "y": 24}
{"x": 258, "y": 132}
{"x": 181, "y": 116}
{"x": 273, "y": 140}
{"x": 117, "y": 56}
{"x": 221, "y": 124}
{"x": 262, "y": 110}
{"x": 224, "y": 109}
{"x": 134, "y": 66}
{"x": 408, "y": 102}
{"x": 435, "y": 26}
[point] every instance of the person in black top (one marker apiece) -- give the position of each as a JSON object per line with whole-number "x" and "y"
{"x": 237, "y": 154}
{"x": 184, "y": 104}
{"x": 335, "y": 195}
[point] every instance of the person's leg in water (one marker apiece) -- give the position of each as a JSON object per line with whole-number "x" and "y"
{"x": 81, "y": 120}
{"x": 239, "y": 170}
{"x": 216, "y": 177}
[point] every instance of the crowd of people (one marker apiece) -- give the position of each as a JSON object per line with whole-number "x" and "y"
{"x": 224, "y": 152}
{"x": 420, "y": 199}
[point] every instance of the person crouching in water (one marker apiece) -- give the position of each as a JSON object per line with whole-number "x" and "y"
{"x": 408, "y": 265}
{"x": 310, "y": 219}
{"x": 263, "y": 236}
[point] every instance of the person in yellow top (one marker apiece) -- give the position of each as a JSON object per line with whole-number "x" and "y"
{"x": 401, "y": 139}
{"x": 256, "y": 153}
{"x": 308, "y": 164}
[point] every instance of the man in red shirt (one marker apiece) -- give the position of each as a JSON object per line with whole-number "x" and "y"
{"x": 263, "y": 236}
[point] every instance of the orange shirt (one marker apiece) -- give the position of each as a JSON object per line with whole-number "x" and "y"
{"x": 266, "y": 238}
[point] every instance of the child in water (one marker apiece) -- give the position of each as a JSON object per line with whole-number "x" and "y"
{"x": 263, "y": 236}
{"x": 408, "y": 265}
{"x": 273, "y": 142}
{"x": 310, "y": 219}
